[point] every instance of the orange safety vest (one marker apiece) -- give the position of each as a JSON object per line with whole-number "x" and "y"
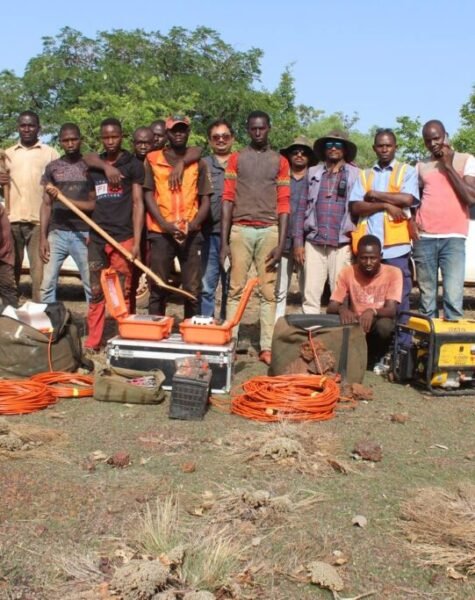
{"x": 395, "y": 232}
{"x": 178, "y": 207}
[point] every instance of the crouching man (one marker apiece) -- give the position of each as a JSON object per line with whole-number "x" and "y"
{"x": 369, "y": 293}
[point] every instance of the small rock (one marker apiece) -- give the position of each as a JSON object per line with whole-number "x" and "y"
{"x": 399, "y": 418}
{"x": 119, "y": 460}
{"x": 188, "y": 467}
{"x": 369, "y": 450}
{"x": 88, "y": 465}
{"x": 359, "y": 521}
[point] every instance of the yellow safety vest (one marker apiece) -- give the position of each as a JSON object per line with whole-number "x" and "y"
{"x": 395, "y": 232}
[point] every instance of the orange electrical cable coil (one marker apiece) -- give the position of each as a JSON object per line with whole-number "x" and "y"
{"x": 77, "y": 386}
{"x": 287, "y": 397}
{"x": 20, "y": 397}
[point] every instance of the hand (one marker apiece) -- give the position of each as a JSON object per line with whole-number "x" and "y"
{"x": 171, "y": 228}
{"x": 446, "y": 156}
{"x": 193, "y": 226}
{"x": 176, "y": 176}
{"x": 347, "y": 316}
{"x": 135, "y": 252}
{"x": 299, "y": 255}
{"x": 44, "y": 250}
{"x": 114, "y": 176}
{"x": 273, "y": 259}
{"x": 371, "y": 196}
{"x": 396, "y": 213}
{"x": 366, "y": 319}
{"x": 5, "y": 178}
{"x": 413, "y": 229}
{"x": 224, "y": 255}
{"x": 51, "y": 191}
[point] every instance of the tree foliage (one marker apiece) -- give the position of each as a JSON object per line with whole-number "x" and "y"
{"x": 464, "y": 139}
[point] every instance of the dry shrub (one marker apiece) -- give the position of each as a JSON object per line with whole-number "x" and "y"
{"x": 158, "y": 530}
{"x": 441, "y": 527}
{"x": 77, "y": 565}
{"x": 211, "y": 559}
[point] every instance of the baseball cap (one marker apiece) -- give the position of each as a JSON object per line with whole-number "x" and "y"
{"x": 175, "y": 120}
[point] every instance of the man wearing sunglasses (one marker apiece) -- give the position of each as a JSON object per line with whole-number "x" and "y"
{"x": 323, "y": 224}
{"x": 220, "y": 140}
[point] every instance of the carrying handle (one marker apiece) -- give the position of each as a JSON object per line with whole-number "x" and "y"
{"x": 246, "y": 294}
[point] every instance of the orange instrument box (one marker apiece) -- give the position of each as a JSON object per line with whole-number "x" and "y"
{"x": 197, "y": 331}
{"x": 132, "y": 327}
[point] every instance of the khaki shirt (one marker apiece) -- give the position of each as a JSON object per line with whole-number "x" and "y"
{"x": 26, "y": 166}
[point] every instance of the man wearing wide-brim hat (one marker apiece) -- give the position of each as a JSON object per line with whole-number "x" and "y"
{"x": 300, "y": 156}
{"x": 323, "y": 224}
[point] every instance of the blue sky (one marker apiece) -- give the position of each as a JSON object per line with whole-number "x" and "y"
{"x": 378, "y": 59}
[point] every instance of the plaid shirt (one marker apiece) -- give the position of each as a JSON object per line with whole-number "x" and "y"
{"x": 330, "y": 209}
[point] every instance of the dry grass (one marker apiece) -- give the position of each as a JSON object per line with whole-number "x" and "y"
{"x": 212, "y": 559}
{"x": 441, "y": 527}
{"x": 78, "y": 565}
{"x": 159, "y": 529}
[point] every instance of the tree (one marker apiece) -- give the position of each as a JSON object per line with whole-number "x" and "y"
{"x": 409, "y": 139}
{"x": 138, "y": 76}
{"x": 464, "y": 139}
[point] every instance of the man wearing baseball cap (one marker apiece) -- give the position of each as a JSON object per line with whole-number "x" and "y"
{"x": 300, "y": 156}
{"x": 175, "y": 216}
{"x": 323, "y": 222}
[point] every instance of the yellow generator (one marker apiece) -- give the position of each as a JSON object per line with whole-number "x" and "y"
{"x": 441, "y": 357}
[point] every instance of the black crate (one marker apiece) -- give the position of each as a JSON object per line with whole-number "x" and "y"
{"x": 189, "y": 398}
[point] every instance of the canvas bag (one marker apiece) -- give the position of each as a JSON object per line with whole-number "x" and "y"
{"x": 109, "y": 386}
{"x": 24, "y": 350}
{"x": 347, "y": 342}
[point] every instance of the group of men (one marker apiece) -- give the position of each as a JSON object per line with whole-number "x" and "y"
{"x": 307, "y": 209}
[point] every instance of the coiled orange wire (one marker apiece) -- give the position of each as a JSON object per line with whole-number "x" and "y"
{"x": 287, "y": 397}
{"x": 18, "y": 397}
{"x": 77, "y": 386}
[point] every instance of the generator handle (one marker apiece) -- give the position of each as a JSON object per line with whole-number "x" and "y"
{"x": 411, "y": 313}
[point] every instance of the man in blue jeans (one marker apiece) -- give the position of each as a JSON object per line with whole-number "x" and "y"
{"x": 220, "y": 140}
{"x": 62, "y": 233}
{"x": 447, "y": 181}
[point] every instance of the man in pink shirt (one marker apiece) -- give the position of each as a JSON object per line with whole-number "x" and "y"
{"x": 447, "y": 181}
{"x": 369, "y": 293}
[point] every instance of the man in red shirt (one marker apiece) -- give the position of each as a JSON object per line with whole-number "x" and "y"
{"x": 256, "y": 206}
{"x": 369, "y": 293}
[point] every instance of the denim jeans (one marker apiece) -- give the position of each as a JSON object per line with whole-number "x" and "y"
{"x": 61, "y": 245}
{"x": 448, "y": 254}
{"x": 250, "y": 245}
{"x": 402, "y": 263}
{"x": 212, "y": 275}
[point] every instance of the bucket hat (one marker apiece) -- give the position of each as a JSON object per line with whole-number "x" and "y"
{"x": 336, "y": 135}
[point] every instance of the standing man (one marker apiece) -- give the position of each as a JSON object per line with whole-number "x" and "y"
{"x": 159, "y": 134}
{"x": 300, "y": 156}
{"x": 368, "y": 293}
{"x": 8, "y": 288}
{"x": 323, "y": 221}
{"x": 27, "y": 160}
{"x": 62, "y": 233}
{"x": 175, "y": 216}
{"x": 256, "y": 206}
{"x": 220, "y": 140}
{"x": 382, "y": 200}
{"x": 143, "y": 142}
{"x": 447, "y": 181}
{"x": 119, "y": 211}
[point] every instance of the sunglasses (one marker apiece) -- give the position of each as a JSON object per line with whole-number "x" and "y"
{"x": 338, "y": 145}
{"x": 226, "y": 137}
{"x": 297, "y": 151}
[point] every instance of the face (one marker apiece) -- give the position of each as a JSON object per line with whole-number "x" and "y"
{"x": 159, "y": 136}
{"x": 298, "y": 158}
{"x": 385, "y": 148}
{"x": 111, "y": 137}
{"x": 70, "y": 142}
{"x": 258, "y": 129}
{"x": 143, "y": 143}
{"x": 334, "y": 150}
{"x": 434, "y": 138}
{"x": 178, "y": 135}
{"x": 28, "y": 128}
{"x": 221, "y": 140}
{"x": 368, "y": 260}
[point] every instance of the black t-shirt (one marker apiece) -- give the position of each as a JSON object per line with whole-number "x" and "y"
{"x": 71, "y": 178}
{"x": 114, "y": 206}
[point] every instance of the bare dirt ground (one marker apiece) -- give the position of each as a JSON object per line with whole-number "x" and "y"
{"x": 68, "y": 519}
